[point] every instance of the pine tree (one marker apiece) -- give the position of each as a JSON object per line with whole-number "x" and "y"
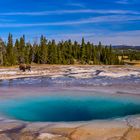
{"x": 43, "y": 50}
{"x": 17, "y": 51}
{"x": 83, "y": 51}
{"x": 1, "y": 52}
{"x": 11, "y": 59}
{"x": 22, "y": 50}
{"x": 64, "y": 52}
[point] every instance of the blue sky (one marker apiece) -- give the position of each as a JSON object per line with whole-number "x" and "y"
{"x": 109, "y": 21}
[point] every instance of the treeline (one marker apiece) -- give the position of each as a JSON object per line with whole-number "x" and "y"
{"x": 50, "y": 52}
{"x": 132, "y": 54}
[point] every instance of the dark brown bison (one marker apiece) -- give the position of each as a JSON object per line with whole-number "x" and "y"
{"x": 24, "y": 67}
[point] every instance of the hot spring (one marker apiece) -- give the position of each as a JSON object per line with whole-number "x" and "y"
{"x": 70, "y": 108}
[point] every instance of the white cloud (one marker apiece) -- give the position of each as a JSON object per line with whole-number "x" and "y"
{"x": 127, "y": 2}
{"x": 119, "y": 38}
{"x": 99, "y": 19}
{"x": 122, "y": 2}
{"x": 81, "y": 5}
{"x": 6, "y": 20}
{"x": 61, "y": 12}
{"x": 105, "y": 36}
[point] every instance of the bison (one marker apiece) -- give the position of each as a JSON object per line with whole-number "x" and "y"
{"x": 24, "y": 67}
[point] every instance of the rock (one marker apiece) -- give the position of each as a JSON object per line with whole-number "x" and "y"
{"x": 27, "y": 136}
{"x": 34, "y": 127}
{"x": 7, "y": 126}
{"x": 134, "y": 134}
{"x": 100, "y": 131}
{"x": 48, "y": 136}
{"x": 4, "y": 137}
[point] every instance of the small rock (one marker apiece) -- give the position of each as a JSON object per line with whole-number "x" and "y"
{"x": 47, "y": 136}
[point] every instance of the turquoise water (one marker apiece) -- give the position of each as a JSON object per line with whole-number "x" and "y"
{"x": 69, "y": 108}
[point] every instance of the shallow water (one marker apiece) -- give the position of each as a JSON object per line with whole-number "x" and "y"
{"x": 69, "y": 81}
{"x": 69, "y": 108}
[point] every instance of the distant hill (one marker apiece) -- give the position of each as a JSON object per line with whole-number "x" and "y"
{"x": 124, "y": 47}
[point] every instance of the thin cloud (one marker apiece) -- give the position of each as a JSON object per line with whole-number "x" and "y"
{"x": 81, "y": 5}
{"x": 6, "y": 20}
{"x": 106, "y": 37}
{"x": 123, "y": 33}
{"x": 100, "y": 19}
{"x": 126, "y": 2}
{"x": 122, "y": 2}
{"x": 62, "y": 12}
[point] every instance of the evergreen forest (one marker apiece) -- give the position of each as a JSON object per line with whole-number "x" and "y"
{"x": 50, "y": 52}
